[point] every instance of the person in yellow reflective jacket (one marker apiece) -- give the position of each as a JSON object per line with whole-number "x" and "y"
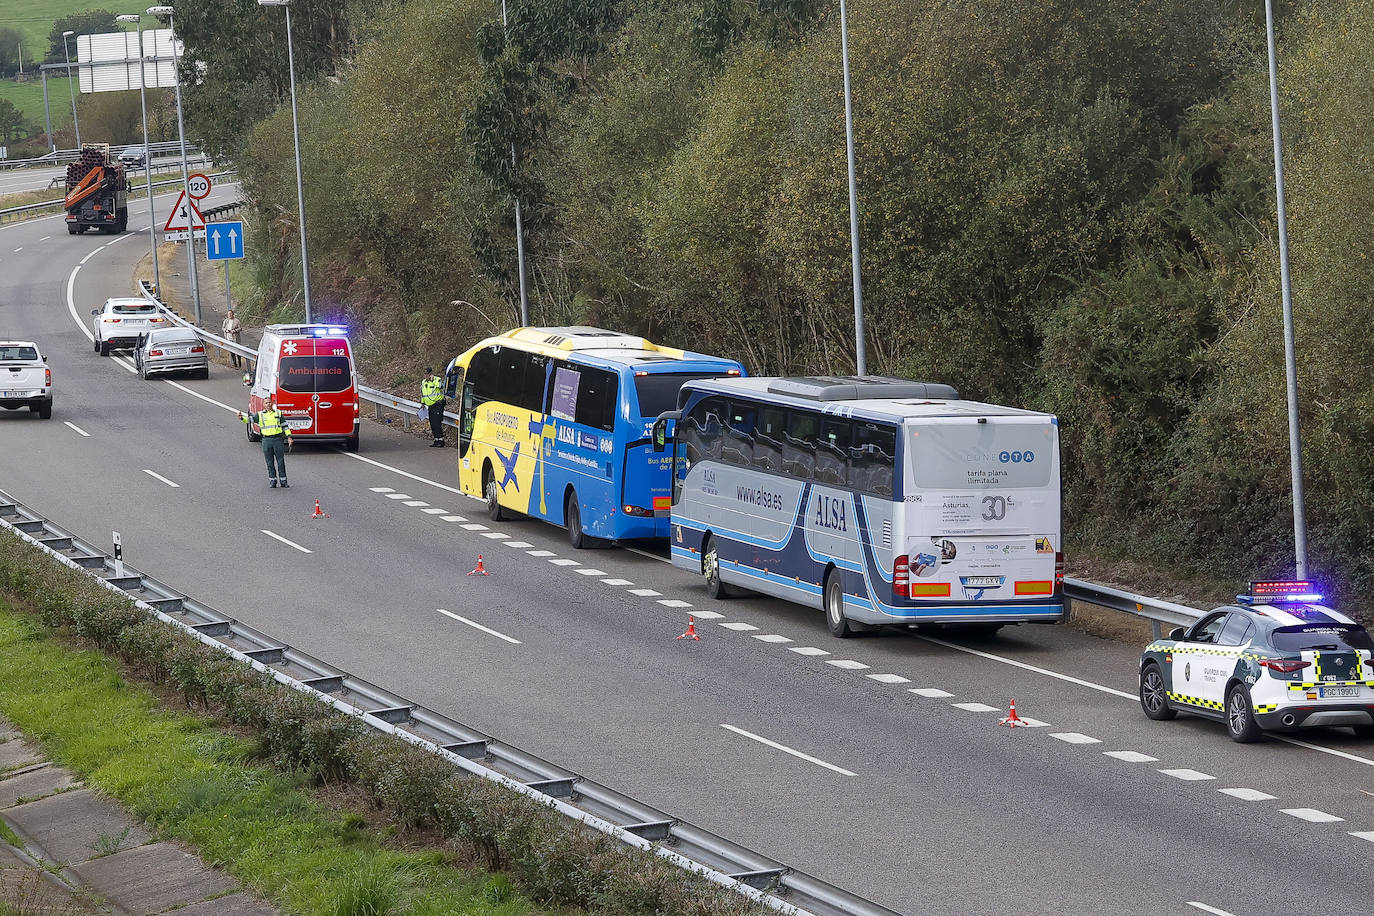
{"x": 276, "y": 440}
{"x": 432, "y": 398}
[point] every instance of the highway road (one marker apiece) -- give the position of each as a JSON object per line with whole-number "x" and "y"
{"x": 14, "y": 181}
{"x": 875, "y": 763}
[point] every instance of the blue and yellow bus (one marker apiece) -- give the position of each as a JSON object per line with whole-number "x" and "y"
{"x": 556, "y": 425}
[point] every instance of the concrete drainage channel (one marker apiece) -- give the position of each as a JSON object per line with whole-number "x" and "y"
{"x": 600, "y": 808}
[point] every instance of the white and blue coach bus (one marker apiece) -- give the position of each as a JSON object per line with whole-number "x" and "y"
{"x": 879, "y": 500}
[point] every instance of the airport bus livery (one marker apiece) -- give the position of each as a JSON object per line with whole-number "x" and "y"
{"x": 878, "y": 500}
{"x": 556, "y": 422}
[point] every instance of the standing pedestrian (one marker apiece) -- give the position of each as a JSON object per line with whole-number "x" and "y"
{"x": 233, "y": 330}
{"x": 432, "y": 397}
{"x": 276, "y": 440}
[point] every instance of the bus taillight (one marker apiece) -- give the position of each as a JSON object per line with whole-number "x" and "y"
{"x": 900, "y": 578}
{"x": 1059, "y": 571}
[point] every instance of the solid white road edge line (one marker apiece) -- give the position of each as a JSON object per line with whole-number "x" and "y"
{"x": 156, "y": 475}
{"x": 477, "y": 626}
{"x": 77, "y": 429}
{"x": 1045, "y": 671}
{"x": 274, "y": 535}
{"x": 787, "y": 750}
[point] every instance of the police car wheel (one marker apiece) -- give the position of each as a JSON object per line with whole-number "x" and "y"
{"x": 1154, "y": 699}
{"x": 1240, "y": 716}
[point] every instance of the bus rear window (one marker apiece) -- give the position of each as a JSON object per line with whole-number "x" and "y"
{"x": 657, "y": 391}
{"x": 1335, "y": 638}
{"x": 981, "y": 456}
{"x": 304, "y": 374}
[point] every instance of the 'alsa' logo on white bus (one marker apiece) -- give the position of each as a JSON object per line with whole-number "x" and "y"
{"x": 830, "y": 513}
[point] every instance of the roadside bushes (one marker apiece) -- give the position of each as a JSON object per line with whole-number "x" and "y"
{"x": 555, "y": 862}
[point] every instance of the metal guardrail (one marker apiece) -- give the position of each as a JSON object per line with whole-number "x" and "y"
{"x": 764, "y": 880}
{"x": 382, "y": 401}
{"x": 1156, "y": 610}
{"x": 63, "y": 156}
{"x": 26, "y": 209}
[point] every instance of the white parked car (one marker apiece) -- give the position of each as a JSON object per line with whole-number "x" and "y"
{"x": 119, "y": 323}
{"x": 25, "y": 379}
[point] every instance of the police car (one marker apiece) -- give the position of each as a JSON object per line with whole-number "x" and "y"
{"x": 1274, "y": 661}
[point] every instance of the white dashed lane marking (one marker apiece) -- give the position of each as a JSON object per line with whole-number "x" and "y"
{"x": 433, "y": 511}
{"x": 588, "y": 571}
{"x": 564, "y": 561}
{"x": 416, "y": 502}
{"x": 474, "y": 526}
{"x": 454, "y": 518}
{"x": 708, "y": 615}
{"x": 76, "y": 429}
{"x": 381, "y": 489}
{"x": 1312, "y": 815}
{"x": 846, "y": 664}
{"x": 1247, "y": 794}
{"x": 477, "y": 626}
{"x": 495, "y": 535}
{"x": 156, "y": 476}
{"x": 1363, "y": 835}
{"x": 1034, "y": 723}
{"x": 518, "y": 544}
{"x": 806, "y": 650}
{"x": 645, "y": 592}
{"x": 1074, "y": 738}
{"x": 1187, "y": 775}
{"x": 739, "y": 627}
{"x": 674, "y": 602}
{"x": 398, "y": 496}
{"x": 1208, "y": 909}
{"x": 974, "y": 707}
{"x": 934, "y": 693}
{"x": 889, "y": 678}
{"x": 616, "y": 582}
{"x": 1131, "y": 756}
{"x": 536, "y": 553}
{"x": 787, "y": 750}
{"x": 771, "y": 637}
{"x": 278, "y": 537}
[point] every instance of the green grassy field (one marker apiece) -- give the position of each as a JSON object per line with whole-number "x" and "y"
{"x": 34, "y": 20}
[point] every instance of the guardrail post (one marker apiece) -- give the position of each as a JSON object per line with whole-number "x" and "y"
{"x": 1155, "y": 629}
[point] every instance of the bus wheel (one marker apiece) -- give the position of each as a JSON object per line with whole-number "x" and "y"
{"x": 489, "y": 489}
{"x": 710, "y": 569}
{"x": 572, "y": 517}
{"x": 834, "y": 607}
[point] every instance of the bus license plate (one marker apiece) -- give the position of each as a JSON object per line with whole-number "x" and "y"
{"x": 1340, "y": 691}
{"x": 982, "y": 581}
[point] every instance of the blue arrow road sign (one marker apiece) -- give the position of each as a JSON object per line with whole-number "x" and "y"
{"x": 224, "y": 241}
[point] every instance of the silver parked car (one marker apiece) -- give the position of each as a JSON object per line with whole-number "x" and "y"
{"x": 171, "y": 350}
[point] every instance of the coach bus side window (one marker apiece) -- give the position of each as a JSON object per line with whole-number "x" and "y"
{"x": 832, "y": 452}
{"x": 479, "y": 386}
{"x": 872, "y": 460}
{"x": 536, "y": 375}
{"x": 597, "y": 395}
{"x": 768, "y": 439}
{"x": 799, "y": 444}
{"x": 737, "y": 445}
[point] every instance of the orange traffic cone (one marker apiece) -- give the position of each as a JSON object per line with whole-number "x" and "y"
{"x": 318, "y": 513}
{"x": 691, "y": 629}
{"x": 481, "y": 570}
{"x": 1013, "y": 720}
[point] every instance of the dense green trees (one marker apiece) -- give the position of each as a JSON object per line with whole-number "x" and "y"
{"x": 1066, "y": 204}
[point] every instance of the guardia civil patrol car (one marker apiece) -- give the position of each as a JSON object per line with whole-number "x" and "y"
{"x": 1274, "y": 661}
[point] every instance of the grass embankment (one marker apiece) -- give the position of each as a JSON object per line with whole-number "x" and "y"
{"x": 257, "y": 777}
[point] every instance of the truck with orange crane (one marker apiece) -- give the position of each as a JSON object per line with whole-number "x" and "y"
{"x": 97, "y": 192}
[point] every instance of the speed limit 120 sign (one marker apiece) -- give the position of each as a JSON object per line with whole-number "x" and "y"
{"x": 199, "y": 186}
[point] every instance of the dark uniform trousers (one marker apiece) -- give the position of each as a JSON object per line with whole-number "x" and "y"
{"x": 436, "y": 420}
{"x": 274, "y": 452}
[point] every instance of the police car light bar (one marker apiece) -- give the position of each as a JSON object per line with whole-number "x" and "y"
{"x": 1284, "y": 591}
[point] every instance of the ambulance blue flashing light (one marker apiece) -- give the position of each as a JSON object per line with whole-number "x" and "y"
{"x": 1282, "y": 591}
{"x": 330, "y": 331}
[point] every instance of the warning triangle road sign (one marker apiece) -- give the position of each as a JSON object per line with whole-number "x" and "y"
{"x": 184, "y": 216}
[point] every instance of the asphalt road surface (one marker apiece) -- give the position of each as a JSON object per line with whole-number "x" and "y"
{"x": 874, "y": 763}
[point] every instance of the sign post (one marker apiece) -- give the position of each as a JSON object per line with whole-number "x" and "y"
{"x": 118, "y": 557}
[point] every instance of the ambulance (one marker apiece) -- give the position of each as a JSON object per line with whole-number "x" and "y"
{"x": 308, "y": 369}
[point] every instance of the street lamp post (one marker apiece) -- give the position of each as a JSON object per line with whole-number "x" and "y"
{"x": 147, "y": 156}
{"x": 296, "y": 137}
{"x": 169, "y": 12}
{"x": 71, "y": 89}
{"x": 860, "y": 358}
{"x": 519, "y": 223}
{"x": 1290, "y": 357}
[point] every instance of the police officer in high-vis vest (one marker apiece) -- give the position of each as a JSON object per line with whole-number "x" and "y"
{"x": 432, "y": 398}
{"x": 276, "y": 440}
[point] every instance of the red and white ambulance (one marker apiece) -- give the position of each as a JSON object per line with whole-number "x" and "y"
{"x": 308, "y": 369}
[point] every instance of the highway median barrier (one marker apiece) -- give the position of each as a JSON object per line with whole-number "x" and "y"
{"x": 553, "y": 860}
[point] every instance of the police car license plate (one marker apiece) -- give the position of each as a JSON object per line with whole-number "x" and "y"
{"x": 1340, "y": 691}
{"x": 13, "y": 394}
